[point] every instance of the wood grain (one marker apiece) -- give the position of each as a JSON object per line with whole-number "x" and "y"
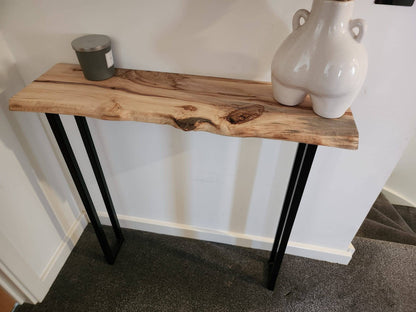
{"x": 229, "y": 107}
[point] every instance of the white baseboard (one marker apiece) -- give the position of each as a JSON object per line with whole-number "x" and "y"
{"x": 57, "y": 261}
{"x": 231, "y": 238}
{"x": 396, "y": 198}
{"x": 11, "y": 287}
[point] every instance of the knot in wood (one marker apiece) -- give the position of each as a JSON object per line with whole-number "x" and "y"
{"x": 188, "y": 124}
{"x": 245, "y": 114}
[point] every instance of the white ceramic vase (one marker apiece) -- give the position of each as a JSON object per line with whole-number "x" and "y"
{"x": 322, "y": 57}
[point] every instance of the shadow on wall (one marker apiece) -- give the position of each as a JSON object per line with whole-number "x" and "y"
{"x": 180, "y": 177}
{"x": 204, "y": 39}
{"x": 129, "y": 151}
{"x": 17, "y": 141}
{"x": 230, "y": 38}
{"x": 247, "y": 164}
{"x": 34, "y": 62}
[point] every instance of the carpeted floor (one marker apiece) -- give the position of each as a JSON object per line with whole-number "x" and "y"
{"x": 163, "y": 273}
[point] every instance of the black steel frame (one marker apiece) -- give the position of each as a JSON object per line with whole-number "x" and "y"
{"x": 299, "y": 175}
{"x": 110, "y": 252}
{"x": 300, "y": 171}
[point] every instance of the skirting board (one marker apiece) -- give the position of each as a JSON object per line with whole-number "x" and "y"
{"x": 33, "y": 288}
{"x": 61, "y": 254}
{"x": 231, "y": 238}
{"x": 10, "y": 286}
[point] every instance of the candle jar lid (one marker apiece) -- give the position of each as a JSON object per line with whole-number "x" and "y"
{"x": 91, "y": 43}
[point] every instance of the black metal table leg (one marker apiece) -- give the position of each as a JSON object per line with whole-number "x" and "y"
{"x": 99, "y": 174}
{"x": 301, "y": 167}
{"x": 68, "y": 154}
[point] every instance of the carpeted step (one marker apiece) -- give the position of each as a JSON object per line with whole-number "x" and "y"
{"x": 383, "y": 206}
{"x": 408, "y": 214}
{"x": 376, "y": 230}
{"x": 379, "y": 217}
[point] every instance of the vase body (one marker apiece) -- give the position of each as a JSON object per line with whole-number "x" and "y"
{"x": 323, "y": 58}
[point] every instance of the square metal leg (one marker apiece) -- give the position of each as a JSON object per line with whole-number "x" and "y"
{"x": 68, "y": 154}
{"x": 301, "y": 167}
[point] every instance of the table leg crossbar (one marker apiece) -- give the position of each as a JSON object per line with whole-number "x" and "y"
{"x": 301, "y": 167}
{"x": 58, "y": 130}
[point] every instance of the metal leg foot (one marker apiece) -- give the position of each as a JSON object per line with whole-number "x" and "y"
{"x": 68, "y": 154}
{"x": 301, "y": 167}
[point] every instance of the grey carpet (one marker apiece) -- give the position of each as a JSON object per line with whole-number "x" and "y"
{"x": 383, "y": 205}
{"x": 378, "y": 217}
{"x": 390, "y": 223}
{"x": 164, "y": 273}
{"x": 409, "y": 214}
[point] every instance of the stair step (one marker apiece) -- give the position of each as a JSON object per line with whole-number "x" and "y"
{"x": 408, "y": 214}
{"x": 383, "y": 206}
{"x": 375, "y": 230}
{"x": 379, "y": 217}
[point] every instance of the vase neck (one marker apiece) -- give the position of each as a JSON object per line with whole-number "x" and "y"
{"x": 332, "y": 13}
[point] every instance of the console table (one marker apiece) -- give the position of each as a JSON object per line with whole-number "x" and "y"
{"x": 222, "y": 106}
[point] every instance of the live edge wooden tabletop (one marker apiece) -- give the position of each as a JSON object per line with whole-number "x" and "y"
{"x": 230, "y": 107}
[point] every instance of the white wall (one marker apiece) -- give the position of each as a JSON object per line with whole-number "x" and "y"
{"x": 207, "y": 186}
{"x": 400, "y": 188}
{"x": 39, "y": 220}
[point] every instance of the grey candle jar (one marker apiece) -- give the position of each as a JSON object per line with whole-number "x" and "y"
{"x": 95, "y": 56}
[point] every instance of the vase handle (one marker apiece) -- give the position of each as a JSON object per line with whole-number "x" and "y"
{"x": 362, "y": 27}
{"x": 302, "y": 13}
